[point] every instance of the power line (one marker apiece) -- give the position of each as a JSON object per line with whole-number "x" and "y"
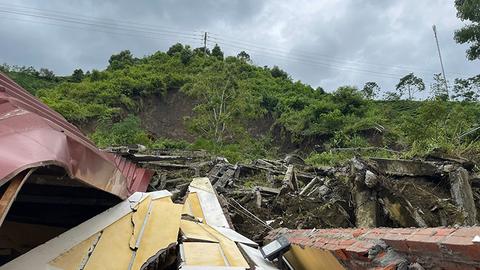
{"x": 153, "y": 32}
{"x": 316, "y": 55}
{"x": 97, "y": 19}
{"x": 73, "y": 20}
{"x": 128, "y": 25}
{"x": 304, "y": 60}
{"x": 123, "y": 33}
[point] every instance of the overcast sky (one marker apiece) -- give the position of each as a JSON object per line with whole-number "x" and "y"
{"x": 325, "y": 43}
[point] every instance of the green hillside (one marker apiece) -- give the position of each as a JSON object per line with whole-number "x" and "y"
{"x": 230, "y": 93}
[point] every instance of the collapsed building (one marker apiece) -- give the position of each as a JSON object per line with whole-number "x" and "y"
{"x": 64, "y": 204}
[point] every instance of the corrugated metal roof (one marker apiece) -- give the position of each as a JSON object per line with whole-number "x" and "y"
{"x": 139, "y": 233}
{"x": 33, "y": 135}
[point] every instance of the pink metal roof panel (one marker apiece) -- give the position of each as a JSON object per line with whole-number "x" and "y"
{"x": 33, "y": 135}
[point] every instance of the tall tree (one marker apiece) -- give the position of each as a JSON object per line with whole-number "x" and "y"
{"x": 121, "y": 60}
{"x": 174, "y": 49}
{"x": 223, "y": 103}
{"x": 467, "y": 89}
{"x": 77, "y": 75}
{"x": 243, "y": 56}
{"x": 217, "y": 52}
{"x": 410, "y": 84}
{"x": 370, "y": 90}
{"x": 186, "y": 55}
{"x": 469, "y": 10}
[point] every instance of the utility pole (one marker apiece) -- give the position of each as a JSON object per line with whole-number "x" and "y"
{"x": 440, "y": 56}
{"x": 205, "y": 44}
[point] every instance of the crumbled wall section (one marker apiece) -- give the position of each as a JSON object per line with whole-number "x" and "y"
{"x": 393, "y": 248}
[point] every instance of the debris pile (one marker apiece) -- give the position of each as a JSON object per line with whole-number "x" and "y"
{"x": 149, "y": 231}
{"x": 266, "y": 194}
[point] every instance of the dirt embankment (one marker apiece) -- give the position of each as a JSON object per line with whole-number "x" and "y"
{"x": 165, "y": 116}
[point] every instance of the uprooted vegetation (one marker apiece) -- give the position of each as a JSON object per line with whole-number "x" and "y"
{"x": 439, "y": 190}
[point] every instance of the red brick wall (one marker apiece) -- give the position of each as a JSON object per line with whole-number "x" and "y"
{"x": 389, "y": 248}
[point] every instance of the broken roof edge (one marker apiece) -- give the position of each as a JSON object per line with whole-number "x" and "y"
{"x": 43, "y": 254}
{"x": 33, "y": 135}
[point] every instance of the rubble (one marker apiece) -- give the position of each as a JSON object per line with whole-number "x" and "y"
{"x": 363, "y": 193}
{"x": 149, "y": 231}
{"x": 53, "y": 178}
{"x": 258, "y": 198}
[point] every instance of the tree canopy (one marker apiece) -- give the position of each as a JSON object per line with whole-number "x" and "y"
{"x": 410, "y": 84}
{"x": 469, "y": 11}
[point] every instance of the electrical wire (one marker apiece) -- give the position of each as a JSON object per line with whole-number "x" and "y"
{"x": 93, "y": 23}
{"x": 150, "y": 31}
{"x": 316, "y": 55}
{"x": 303, "y": 60}
{"x": 129, "y": 23}
{"x": 70, "y": 27}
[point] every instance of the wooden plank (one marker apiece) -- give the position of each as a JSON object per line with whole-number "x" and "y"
{"x": 8, "y": 197}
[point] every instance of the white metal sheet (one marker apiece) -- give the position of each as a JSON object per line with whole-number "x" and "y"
{"x": 234, "y": 236}
{"x": 211, "y": 208}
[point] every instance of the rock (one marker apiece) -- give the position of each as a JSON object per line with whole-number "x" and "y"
{"x": 323, "y": 191}
{"x": 448, "y": 168}
{"x": 371, "y": 179}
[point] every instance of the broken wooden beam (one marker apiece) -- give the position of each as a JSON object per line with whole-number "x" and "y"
{"x": 289, "y": 179}
{"x": 402, "y": 167}
{"x": 138, "y": 158}
{"x": 258, "y": 199}
{"x": 306, "y": 188}
{"x": 269, "y": 190}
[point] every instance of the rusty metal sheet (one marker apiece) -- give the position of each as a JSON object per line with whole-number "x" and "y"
{"x": 33, "y": 135}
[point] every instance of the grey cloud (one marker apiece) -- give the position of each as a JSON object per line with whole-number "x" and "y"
{"x": 377, "y": 36}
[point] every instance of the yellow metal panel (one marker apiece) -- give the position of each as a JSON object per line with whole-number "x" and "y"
{"x": 230, "y": 249}
{"x": 160, "y": 231}
{"x": 71, "y": 259}
{"x": 203, "y": 254}
{"x": 192, "y": 206}
{"x": 113, "y": 249}
{"x": 312, "y": 259}
{"x": 187, "y": 208}
{"x": 194, "y": 231}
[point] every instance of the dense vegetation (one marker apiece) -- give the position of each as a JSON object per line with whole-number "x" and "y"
{"x": 231, "y": 92}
